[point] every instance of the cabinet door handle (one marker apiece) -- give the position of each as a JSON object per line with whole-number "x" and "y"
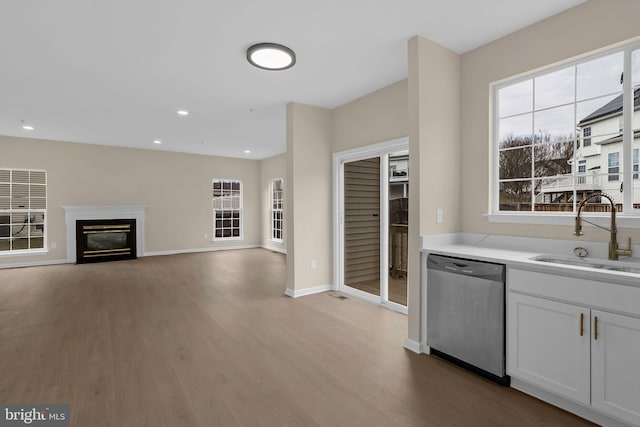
{"x": 581, "y": 324}
{"x": 595, "y": 327}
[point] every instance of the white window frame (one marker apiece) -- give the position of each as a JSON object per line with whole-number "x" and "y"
{"x": 11, "y": 211}
{"x": 582, "y": 171}
{"x": 630, "y": 217}
{"x": 613, "y": 162}
{"x": 275, "y": 211}
{"x": 382, "y": 150}
{"x": 586, "y": 136}
{"x": 223, "y": 210}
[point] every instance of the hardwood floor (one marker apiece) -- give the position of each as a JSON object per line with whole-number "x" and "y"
{"x": 209, "y": 339}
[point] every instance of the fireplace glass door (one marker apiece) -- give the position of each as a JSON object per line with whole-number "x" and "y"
{"x": 105, "y": 240}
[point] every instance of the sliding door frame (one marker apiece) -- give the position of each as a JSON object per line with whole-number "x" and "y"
{"x": 381, "y": 150}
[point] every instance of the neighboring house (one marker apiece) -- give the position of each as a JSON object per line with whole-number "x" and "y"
{"x": 597, "y": 164}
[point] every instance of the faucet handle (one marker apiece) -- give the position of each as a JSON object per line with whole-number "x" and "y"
{"x": 626, "y": 252}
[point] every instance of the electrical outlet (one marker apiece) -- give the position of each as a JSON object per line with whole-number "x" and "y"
{"x": 313, "y": 264}
{"x": 54, "y": 245}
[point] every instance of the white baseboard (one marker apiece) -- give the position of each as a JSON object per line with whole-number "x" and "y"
{"x": 307, "y": 291}
{"x": 34, "y": 263}
{"x": 412, "y": 345}
{"x": 269, "y": 248}
{"x": 189, "y": 251}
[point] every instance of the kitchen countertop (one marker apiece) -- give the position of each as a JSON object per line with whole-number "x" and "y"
{"x": 518, "y": 252}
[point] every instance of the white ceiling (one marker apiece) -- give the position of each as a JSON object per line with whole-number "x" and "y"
{"x": 115, "y": 72}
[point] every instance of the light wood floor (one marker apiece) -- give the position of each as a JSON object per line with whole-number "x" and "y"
{"x": 209, "y": 340}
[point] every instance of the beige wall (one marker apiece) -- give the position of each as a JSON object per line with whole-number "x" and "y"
{"x": 377, "y": 117}
{"x": 271, "y": 168}
{"x": 309, "y": 190}
{"x": 434, "y": 147}
{"x": 435, "y": 133}
{"x": 585, "y": 28}
{"x": 313, "y": 134}
{"x": 176, "y": 188}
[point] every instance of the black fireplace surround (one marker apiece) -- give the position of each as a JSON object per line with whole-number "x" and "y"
{"x": 99, "y": 240}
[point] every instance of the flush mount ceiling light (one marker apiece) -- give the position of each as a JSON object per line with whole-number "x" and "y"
{"x": 183, "y": 113}
{"x": 271, "y": 56}
{"x": 157, "y": 141}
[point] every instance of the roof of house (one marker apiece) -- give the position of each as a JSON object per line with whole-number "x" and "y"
{"x": 618, "y": 138}
{"x": 613, "y": 106}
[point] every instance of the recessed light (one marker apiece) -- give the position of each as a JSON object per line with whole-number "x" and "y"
{"x": 247, "y": 151}
{"x": 157, "y": 141}
{"x": 271, "y": 56}
{"x": 183, "y": 112}
{"x": 27, "y": 127}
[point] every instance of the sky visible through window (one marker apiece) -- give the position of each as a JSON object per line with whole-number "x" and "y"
{"x": 592, "y": 84}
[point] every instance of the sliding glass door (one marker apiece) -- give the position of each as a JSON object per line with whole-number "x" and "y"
{"x": 371, "y": 216}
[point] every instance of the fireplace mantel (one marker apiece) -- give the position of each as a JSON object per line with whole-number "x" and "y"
{"x": 74, "y": 213}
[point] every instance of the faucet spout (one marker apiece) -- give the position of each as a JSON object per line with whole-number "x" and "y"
{"x": 614, "y": 251}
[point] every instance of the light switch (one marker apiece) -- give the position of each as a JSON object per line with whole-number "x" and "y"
{"x": 439, "y": 216}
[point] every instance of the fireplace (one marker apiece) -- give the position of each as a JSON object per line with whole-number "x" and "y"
{"x": 100, "y": 240}
{"x": 73, "y": 214}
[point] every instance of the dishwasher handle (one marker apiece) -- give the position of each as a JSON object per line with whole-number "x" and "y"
{"x": 466, "y": 267}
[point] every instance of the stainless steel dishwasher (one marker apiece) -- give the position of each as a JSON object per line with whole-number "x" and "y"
{"x": 466, "y": 314}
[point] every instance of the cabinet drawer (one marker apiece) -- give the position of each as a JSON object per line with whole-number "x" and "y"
{"x": 610, "y": 296}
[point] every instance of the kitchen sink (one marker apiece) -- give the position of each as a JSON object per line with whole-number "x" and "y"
{"x": 619, "y": 266}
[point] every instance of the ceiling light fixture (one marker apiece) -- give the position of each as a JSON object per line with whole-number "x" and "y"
{"x": 247, "y": 151}
{"x": 183, "y": 112}
{"x": 271, "y": 56}
{"x": 157, "y": 141}
{"x": 27, "y": 127}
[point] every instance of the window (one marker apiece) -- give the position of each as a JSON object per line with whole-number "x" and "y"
{"x": 614, "y": 166}
{"x": 635, "y": 162}
{"x": 227, "y": 209}
{"x": 586, "y": 136}
{"x": 23, "y": 209}
{"x": 560, "y": 134}
{"x": 582, "y": 170}
{"x": 277, "y": 192}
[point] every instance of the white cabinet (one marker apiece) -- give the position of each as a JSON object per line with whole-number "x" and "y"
{"x": 615, "y": 365}
{"x": 547, "y": 347}
{"x": 589, "y": 356}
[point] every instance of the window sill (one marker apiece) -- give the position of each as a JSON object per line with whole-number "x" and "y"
{"x": 276, "y": 240}
{"x": 604, "y": 220}
{"x": 24, "y": 253}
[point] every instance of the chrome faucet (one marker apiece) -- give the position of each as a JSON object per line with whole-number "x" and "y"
{"x": 614, "y": 250}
